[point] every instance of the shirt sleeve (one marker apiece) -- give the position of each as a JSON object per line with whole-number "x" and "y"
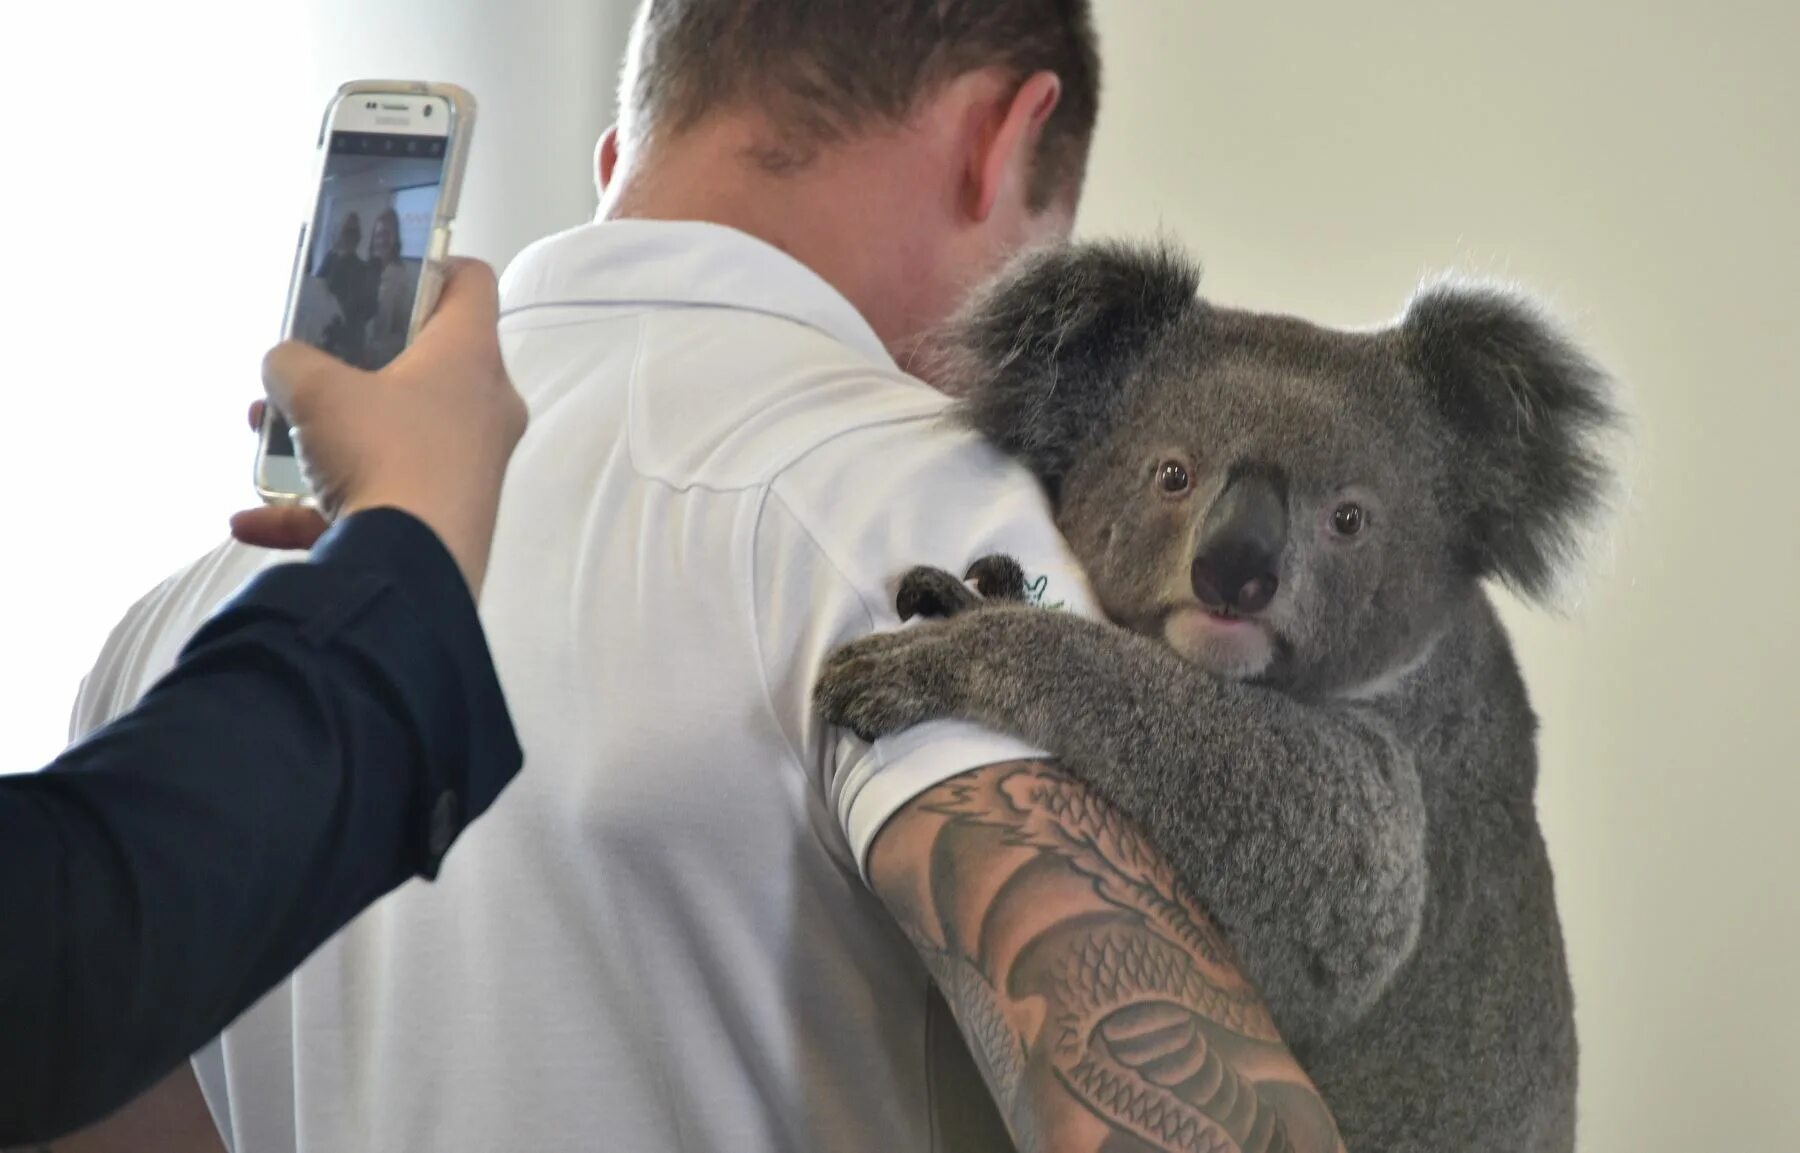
{"x": 321, "y": 740}
{"x": 837, "y": 531}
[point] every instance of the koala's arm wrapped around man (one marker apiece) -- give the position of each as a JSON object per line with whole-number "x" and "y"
{"x": 1300, "y": 827}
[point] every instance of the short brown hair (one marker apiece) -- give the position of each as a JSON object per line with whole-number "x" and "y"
{"x": 824, "y": 68}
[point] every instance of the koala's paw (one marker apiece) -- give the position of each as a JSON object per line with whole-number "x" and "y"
{"x": 881, "y": 684}
{"x": 998, "y": 578}
{"x": 932, "y": 592}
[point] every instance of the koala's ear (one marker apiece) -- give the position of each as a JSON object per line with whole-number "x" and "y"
{"x": 1528, "y": 410}
{"x": 1040, "y": 355}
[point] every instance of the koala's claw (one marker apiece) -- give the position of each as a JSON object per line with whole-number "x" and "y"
{"x": 878, "y": 685}
{"x": 998, "y": 578}
{"x": 932, "y": 592}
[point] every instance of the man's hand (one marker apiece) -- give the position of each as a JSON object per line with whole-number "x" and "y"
{"x": 430, "y": 434}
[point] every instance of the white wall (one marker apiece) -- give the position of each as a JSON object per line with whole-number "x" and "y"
{"x": 1635, "y": 159}
{"x": 156, "y": 168}
{"x": 1639, "y": 162}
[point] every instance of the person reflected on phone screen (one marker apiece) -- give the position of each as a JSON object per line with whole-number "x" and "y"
{"x": 394, "y": 286}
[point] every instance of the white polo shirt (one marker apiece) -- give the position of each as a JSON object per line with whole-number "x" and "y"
{"x": 658, "y": 939}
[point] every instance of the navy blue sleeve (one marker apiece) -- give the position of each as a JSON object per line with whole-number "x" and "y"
{"x": 321, "y": 740}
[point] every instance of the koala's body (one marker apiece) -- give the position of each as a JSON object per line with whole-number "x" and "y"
{"x": 1312, "y": 708}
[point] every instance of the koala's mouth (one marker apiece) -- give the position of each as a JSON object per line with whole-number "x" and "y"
{"x": 1223, "y": 642}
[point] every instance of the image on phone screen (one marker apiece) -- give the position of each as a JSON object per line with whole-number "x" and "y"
{"x": 366, "y": 248}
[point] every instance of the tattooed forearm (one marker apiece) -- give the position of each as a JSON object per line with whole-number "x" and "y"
{"x": 1104, "y": 1009}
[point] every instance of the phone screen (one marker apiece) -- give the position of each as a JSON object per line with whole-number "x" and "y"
{"x": 366, "y": 249}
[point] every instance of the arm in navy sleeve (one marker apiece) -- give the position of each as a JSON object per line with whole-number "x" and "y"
{"x": 321, "y": 740}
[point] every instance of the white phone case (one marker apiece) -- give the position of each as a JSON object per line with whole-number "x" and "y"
{"x": 431, "y": 273}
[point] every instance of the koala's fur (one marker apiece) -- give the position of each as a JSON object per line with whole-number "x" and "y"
{"x": 1349, "y": 792}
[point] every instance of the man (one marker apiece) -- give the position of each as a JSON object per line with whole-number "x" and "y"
{"x": 320, "y": 742}
{"x": 705, "y": 921}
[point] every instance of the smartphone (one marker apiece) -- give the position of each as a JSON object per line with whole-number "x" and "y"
{"x": 369, "y": 263}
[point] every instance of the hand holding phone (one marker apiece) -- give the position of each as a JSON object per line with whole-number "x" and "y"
{"x": 369, "y": 264}
{"x": 430, "y": 433}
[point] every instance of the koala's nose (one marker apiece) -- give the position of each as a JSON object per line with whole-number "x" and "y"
{"x": 1241, "y": 542}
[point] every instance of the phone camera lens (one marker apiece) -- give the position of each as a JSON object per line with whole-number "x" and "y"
{"x": 428, "y": 110}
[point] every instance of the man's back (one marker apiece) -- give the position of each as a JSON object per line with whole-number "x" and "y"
{"x": 660, "y": 939}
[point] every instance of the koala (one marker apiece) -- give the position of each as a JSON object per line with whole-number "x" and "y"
{"x": 1311, "y": 707}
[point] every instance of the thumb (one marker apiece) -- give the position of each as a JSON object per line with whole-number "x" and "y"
{"x": 471, "y": 291}
{"x": 295, "y": 373}
{"x": 278, "y": 527}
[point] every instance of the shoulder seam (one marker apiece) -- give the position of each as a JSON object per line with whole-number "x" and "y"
{"x": 762, "y": 668}
{"x": 800, "y": 457}
{"x": 819, "y": 547}
{"x": 631, "y": 391}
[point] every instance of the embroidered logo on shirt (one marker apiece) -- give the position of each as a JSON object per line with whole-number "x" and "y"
{"x": 1035, "y": 590}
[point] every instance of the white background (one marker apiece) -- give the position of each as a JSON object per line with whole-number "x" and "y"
{"x": 156, "y": 167}
{"x": 1636, "y": 160}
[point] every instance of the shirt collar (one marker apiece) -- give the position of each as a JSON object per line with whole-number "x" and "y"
{"x": 680, "y": 262}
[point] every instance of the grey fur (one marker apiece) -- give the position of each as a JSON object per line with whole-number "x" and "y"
{"x": 1349, "y": 793}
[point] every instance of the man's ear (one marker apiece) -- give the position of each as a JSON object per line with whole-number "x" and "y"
{"x": 606, "y": 159}
{"x": 1011, "y": 147}
{"x": 1526, "y": 411}
{"x": 1041, "y": 356}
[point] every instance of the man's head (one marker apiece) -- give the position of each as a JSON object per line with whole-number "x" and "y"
{"x": 942, "y": 135}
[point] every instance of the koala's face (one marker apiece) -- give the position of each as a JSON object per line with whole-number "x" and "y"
{"x": 1279, "y": 501}
{"x": 1270, "y": 503}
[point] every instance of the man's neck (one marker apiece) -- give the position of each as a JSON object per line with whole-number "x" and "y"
{"x": 844, "y": 216}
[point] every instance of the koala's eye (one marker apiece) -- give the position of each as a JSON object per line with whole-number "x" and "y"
{"x": 1349, "y": 519}
{"x": 1172, "y": 477}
